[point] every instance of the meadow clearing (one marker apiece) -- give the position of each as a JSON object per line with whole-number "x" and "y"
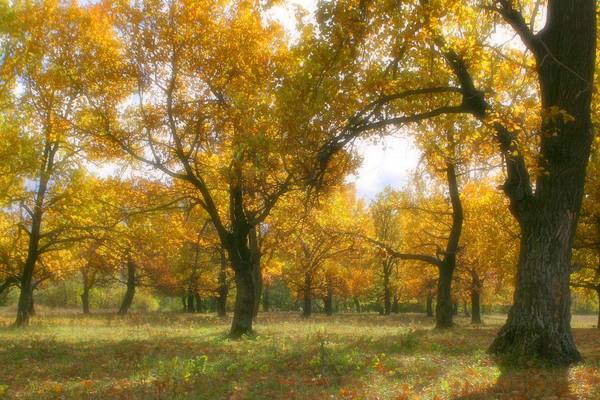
{"x": 65, "y": 355}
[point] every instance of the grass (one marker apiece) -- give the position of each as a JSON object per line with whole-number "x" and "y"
{"x": 179, "y": 356}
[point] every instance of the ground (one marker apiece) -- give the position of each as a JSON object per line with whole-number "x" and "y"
{"x": 349, "y": 356}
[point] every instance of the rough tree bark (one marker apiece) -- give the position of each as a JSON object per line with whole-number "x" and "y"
{"x": 538, "y": 323}
{"x": 130, "y": 292}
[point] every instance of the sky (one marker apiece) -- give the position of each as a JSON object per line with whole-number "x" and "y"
{"x": 389, "y": 161}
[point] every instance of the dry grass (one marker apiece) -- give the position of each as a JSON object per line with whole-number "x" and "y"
{"x": 179, "y": 356}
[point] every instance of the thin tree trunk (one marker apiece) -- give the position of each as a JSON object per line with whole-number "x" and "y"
{"x": 395, "y": 305}
{"x": 429, "y": 303}
{"x": 221, "y": 300}
{"x": 307, "y": 308}
{"x": 25, "y": 304}
{"x": 198, "y": 301}
{"x": 85, "y": 299}
{"x": 329, "y": 298}
{"x": 357, "y": 304}
{"x": 266, "y": 300}
{"x": 255, "y": 252}
{"x": 191, "y": 306}
{"x": 387, "y": 293}
{"x": 130, "y": 293}
{"x": 31, "y": 304}
{"x": 184, "y": 302}
{"x": 475, "y": 306}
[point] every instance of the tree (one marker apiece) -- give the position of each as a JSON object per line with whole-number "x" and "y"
{"x": 545, "y": 157}
{"x": 313, "y": 250}
{"x": 482, "y": 263}
{"x": 48, "y": 103}
{"x": 386, "y": 221}
{"x": 585, "y": 273}
{"x": 207, "y": 113}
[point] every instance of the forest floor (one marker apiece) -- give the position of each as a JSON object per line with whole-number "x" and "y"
{"x": 348, "y": 356}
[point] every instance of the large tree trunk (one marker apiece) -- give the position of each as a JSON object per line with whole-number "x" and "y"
{"x": 307, "y": 307}
{"x": 538, "y": 323}
{"x": 130, "y": 293}
{"x": 244, "y": 302}
{"x": 444, "y": 307}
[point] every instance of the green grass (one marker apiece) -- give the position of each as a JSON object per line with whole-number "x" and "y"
{"x": 178, "y": 356}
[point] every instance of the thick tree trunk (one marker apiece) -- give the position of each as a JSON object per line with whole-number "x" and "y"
{"x": 130, "y": 293}
{"x": 307, "y": 307}
{"x": 538, "y": 323}
{"x": 244, "y": 302}
{"x": 444, "y": 307}
{"x": 475, "y": 306}
{"x": 429, "y": 303}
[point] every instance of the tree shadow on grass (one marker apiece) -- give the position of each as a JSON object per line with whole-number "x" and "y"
{"x": 528, "y": 383}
